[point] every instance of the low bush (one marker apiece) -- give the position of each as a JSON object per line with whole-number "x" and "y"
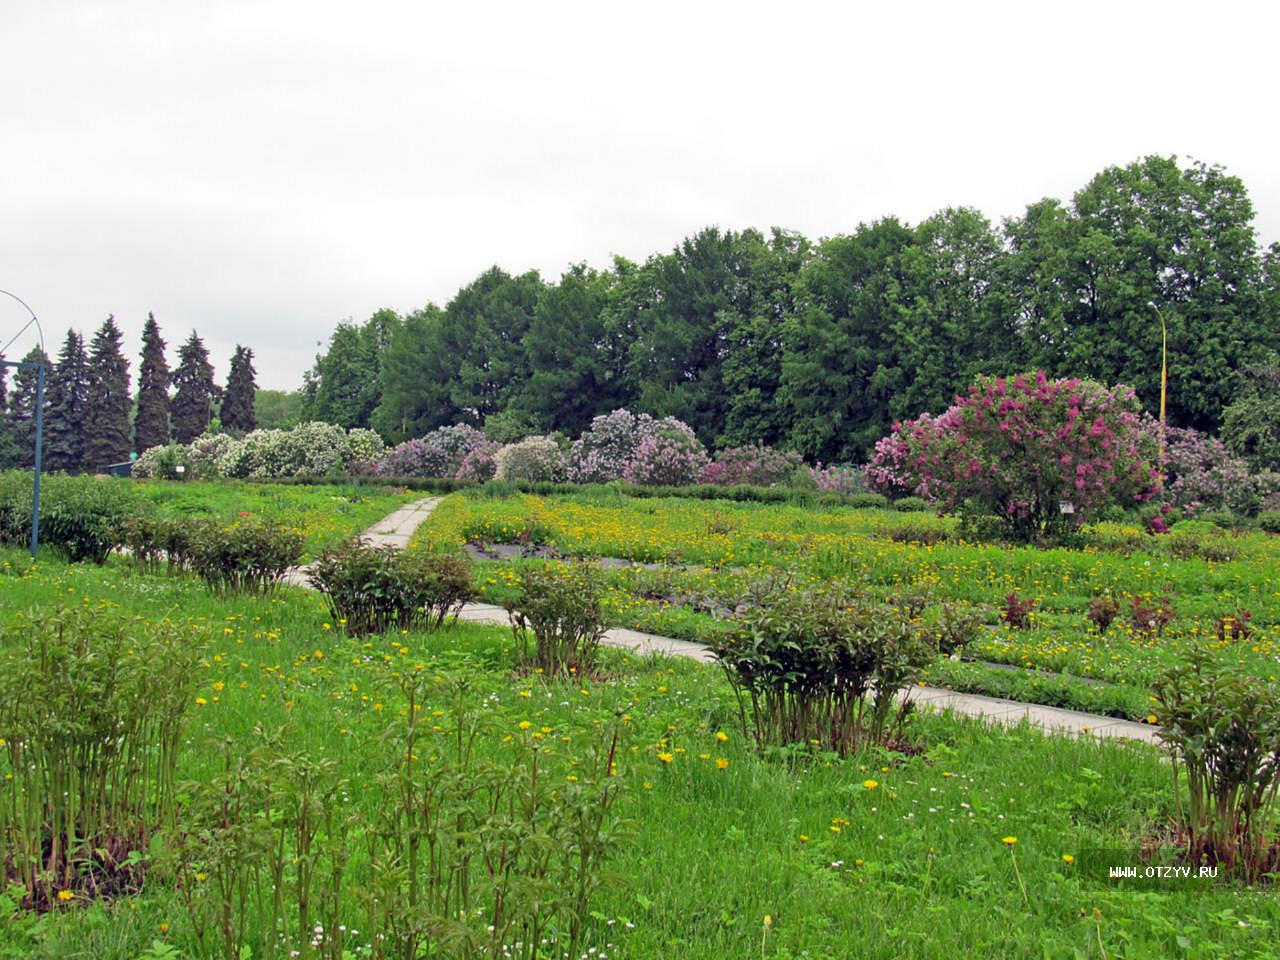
{"x": 91, "y": 711}
{"x": 954, "y": 626}
{"x": 156, "y": 542}
{"x": 1103, "y": 612}
{"x": 250, "y": 556}
{"x": 1269, "y": 521}
{"x": 374, "y": 589}
{"x": 79, "y": 516}
{"x": 1017, "y": 611}
{"x": 820, "y": 667}
{"x": 867, "y": 501}
{"x": 910, "y": 504}
{"x": 1196, "y": 539}
{"x": 1224, "y": 729}
{"x": 916, "y": 532}
{"x": 1151, "y": 615}
{"x": 558, "y": 618}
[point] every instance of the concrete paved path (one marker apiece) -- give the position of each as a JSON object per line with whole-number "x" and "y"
{"x": 398, "y": 528}
{"x": 395, "y": 530}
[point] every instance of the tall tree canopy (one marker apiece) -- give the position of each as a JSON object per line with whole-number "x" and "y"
{"x": 820, "y": 347}
{"x": 151, "y": 421}
{"x": 106, "y": 431}
{"x": 68, "y": 410}
{"x": 237, "y": 410}
{"x": 194, "y": 391}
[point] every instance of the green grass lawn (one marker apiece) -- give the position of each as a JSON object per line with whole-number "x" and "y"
{"x": 876, "y": 856}
{"x": 325, "y": 515}
{"x": 720, "y": 553}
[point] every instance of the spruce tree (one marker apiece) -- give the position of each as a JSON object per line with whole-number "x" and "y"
{"x": 22, "y": 407}
{"x": 68, "y": 398}
{"x": 106, "y": 423}
{"x": 151, "y": 422}
{"x": 237, "y": 412}
{"x": 193, "y": 399}
{"x": 8, "y": 450}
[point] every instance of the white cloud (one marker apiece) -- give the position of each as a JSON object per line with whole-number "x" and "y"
{"x": 259, "y": 171}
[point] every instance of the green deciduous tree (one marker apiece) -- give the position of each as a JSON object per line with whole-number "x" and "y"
{"x": 106, "y": 432}
{"x": 1251, "y": 424}
{"x": 237, "y": 411}
{"x": 68, "y": 410}
{"x": 194, "y": 392}
{"x": 151, "y": 421}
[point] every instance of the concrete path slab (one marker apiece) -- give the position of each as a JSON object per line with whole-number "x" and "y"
{"x": 398, "y": 528}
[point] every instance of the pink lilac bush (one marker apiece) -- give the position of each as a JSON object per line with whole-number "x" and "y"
{"x": 1201, "y": 474}
{"x": 838, "y": 479}
{"x": 755, "y": 464}
{"x": 1022, "y": 447}
{"x": 670, "y": 456}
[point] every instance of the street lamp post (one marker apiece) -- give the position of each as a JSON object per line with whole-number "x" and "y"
{"x": 1164, "y": 381}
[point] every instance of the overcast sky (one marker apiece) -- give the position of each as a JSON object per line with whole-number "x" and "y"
{"x": 262, "y": 170}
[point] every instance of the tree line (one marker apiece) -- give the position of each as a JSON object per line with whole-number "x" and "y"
{"x": 92, "y": 420}
{"x": 821, "y": 346}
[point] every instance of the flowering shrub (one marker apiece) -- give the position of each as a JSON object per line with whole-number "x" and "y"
{"x": 1202, "y": 475}
{"x": 478, "y": 463}
{"x": 439, "y": 454}
{"x": 888, "y": 471}
{"x": 309, "y": 449}
{"x": 364, "y": 445}
{"x": 204, "y": 452}
{"x": 1041, "y": 455}
{"x": 755, "y": 464}
{"x": 605, "y": 449}
{"x": 670, "y": 456}
{"x": 162, "y": 462}
{"x": 533, "y": 459}
{"x": 836, "y": 479}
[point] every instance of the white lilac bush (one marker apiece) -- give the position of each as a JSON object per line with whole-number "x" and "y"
{"x": 533, "y": 459}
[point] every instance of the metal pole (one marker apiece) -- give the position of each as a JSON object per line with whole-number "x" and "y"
{"x": 35, "y": 493}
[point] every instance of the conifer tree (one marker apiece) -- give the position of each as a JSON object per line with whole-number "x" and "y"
{"x": 8, "y": 450}
{"x": 151, "y": 422}
{"x": 106, "y": 424}
{"x": 237, "y": 413}
{"x": 68, "y": 398}
{"x": 22, "y": 407}
{"x": 193, "y": 399}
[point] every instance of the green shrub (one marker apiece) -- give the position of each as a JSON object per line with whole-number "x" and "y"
{"x": 1116, "y": 537}
{"x": 1224, "y": 729}
{"x": 79, "y": 516}
{"x": 866, "y": 501}
{"x": 1191, "y": 539}
{"x": 154, "y": 542}
{"x": 1269, "y": 521}
{"x": 374, "y": 589}
{"x": 910, "y": 505}
{"x": 954, "y": 626}
{"x": 817, "y": 665}
{"x": 558, "y": 618}
{"x": 91, "y": 710}
{"x": 916, "y": 532}
{"x": 1223, "y": 519}
{"x": 250, "y": 556}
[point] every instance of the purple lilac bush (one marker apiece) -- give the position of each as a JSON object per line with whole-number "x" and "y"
{"x": 754, "y": 464}
{"x": 1201, "y": 474}
{"x": 439, "y": 454}
{"x": 669, "y": 456}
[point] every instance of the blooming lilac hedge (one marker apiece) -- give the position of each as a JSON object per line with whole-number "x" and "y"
{"x": 1201, "y": 475}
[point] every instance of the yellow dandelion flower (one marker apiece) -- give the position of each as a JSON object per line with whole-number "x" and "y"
{"x": 65, "y": 895}
{"x": 524, "y": 724}
{"x": 870, "y": 784}
{"x": 722, "y": 763}
{"x": 721, "y": 736}
{"x": 1009, "y": 841}
{"x": 666, "y": 757}
{"x": 1068, "y": 858}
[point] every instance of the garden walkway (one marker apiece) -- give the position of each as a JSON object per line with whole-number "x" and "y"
{"x": 398, "y": 528}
